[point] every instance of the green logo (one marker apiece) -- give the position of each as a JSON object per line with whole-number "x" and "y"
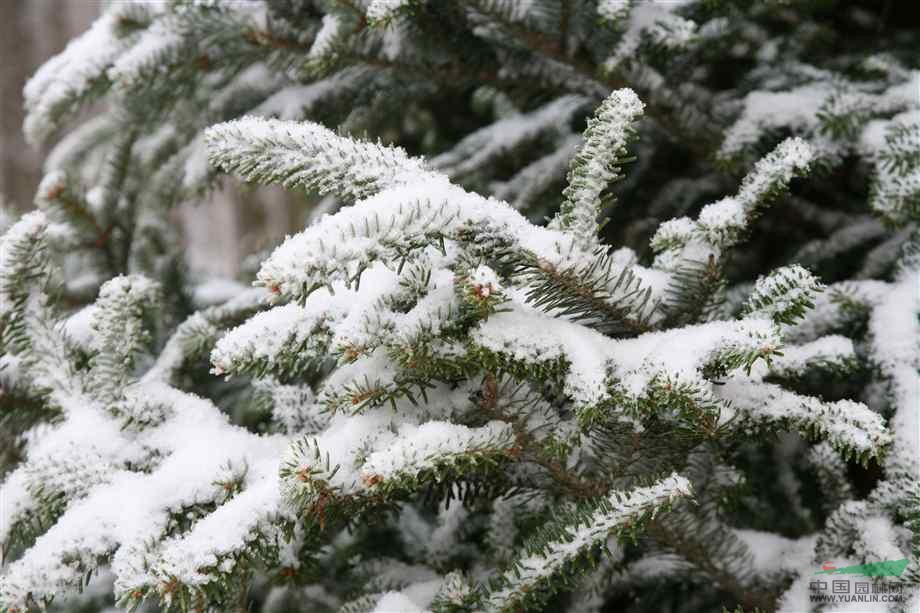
{"x": 888, "y": 568}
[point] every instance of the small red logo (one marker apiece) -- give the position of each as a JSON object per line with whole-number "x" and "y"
{"x": 829, "y": 566}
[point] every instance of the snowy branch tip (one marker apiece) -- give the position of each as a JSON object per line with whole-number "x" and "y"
{"x": 310, "y": 156}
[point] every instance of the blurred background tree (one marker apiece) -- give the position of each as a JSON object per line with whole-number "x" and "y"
{"x": 218, "y": 233}
{"x": 30, "y": 32}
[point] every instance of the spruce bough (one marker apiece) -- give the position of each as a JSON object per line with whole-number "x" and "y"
{"x": 538, "y": 351}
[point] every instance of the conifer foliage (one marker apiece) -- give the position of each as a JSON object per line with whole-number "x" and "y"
{"x": 601, "y": 306}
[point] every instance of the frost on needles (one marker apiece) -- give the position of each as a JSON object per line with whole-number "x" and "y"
{"x": 564, "y": 360}
{"x": 423, "y": 293}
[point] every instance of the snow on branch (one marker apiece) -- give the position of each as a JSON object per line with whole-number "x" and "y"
{"x": 294, "y": 102}
{"x": 836, "y": 307}
{"x": 399, "y": 223}
{"x": 287, "y": 339}
{"x": 691, "y": 251}
{"x": 764, "y": 111}
{"x": 832, "y": 352}
{"x": 894, "y": 326}
{"x": 133, "y": 508}
{"x": 772, "y": 174}
{"x": 571, "y": 536}
{"x": 381, "y": 12}
{"x": 309, "y": 156}
{"x": 784, "y": 295}
{"x": 721, "y": 224}
{"x": 596, "y": 367}
{"x": 413, "y": 207}
{"x": 652, "y": 19}
{"x": 333, "y": 32}
{"x": 775, "y": 556}
{"x": 596, "y": 165}
{"x": 63, "y": 465}
{"x": 71, "y": 78}
{"x": 894, "y": 146}
{"x": 851, "y": 427}
{"x": 221, "y": 540}
{"x": 118, "y": 323}
{"x": 391, "y": 448}
{"x": 282, "y": 340}
{"x": 155, "y": 48}
{"x": 433, "y": 445}
{"x": 21, "y": 260}
{"x": 828, "y": 109}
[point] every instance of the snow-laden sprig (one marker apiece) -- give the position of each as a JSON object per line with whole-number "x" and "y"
{"x": 73, "y": 77}
{"x": 722, "y": 223}
{"x": 596, "y": 369}
{"x": 334, "y": 29}
{"x": 180, "y": 42}
{"x": 691, "y": 251}
{"x": 851, "y": 427}
{"x": 894, "y": 327}
{"x": 120, "y": 331}
{"x": 901, "y": 152}
{"x": 81, "y": 471}
{"x": 28, "y": 329}
{"x": 335, "y": 37}
{"x": 309, "y": 156}
{"x": 381, "y": 12}
{"x": 894, "y": 146}
{"x": 23, "y": 262}
{"x": 652, "y": 19}
{"x": 434, "y": 445}
{"x": 596, "y": 165}
{"x": 21, "y": 249}
{"x": 784, "y": 295}
{"x": 455, "y": 593}
{"x": 412, "y": 209}
{"x": 829, "y": 109}
{"x": 293, "y": 406}
{"x": 157, "y": 47}
{"x": 64, "y": 462}
{"x": 372, "y": 380}
{"x": 838, "y": 307}
{"x": 832, "y": 353}
{"x": 572, "y": 536}
{"x": 284, "y": 340}
{"x": 128, "y": 515}
{"x": 398, "y": 223}
{"x": 382, "y": 452}
{"x": 613, "y": 10}
{"x": 772, "y": 174}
